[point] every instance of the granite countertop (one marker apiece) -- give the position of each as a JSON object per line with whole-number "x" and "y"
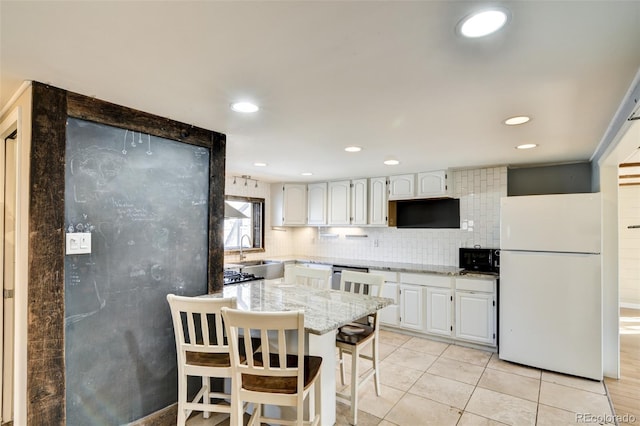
{"x": 373, "y": 264}
{"x": 324, "y": 310}
{"x": 381, "y": 266}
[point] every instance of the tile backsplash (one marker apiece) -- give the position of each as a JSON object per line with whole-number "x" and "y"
{"x": 479, "y": 191}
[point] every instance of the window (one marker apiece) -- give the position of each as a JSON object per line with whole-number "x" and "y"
{"x": 243, "y": 223}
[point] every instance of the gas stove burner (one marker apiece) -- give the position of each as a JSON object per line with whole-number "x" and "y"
{"x": 234, "y": 277}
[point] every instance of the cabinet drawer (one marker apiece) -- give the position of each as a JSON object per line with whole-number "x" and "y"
{"x": 426, "y": 279}
{"x": 388, "y": 275}
{"x": 475, "y": 284}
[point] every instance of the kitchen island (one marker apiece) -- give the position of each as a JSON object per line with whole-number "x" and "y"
{"x": 324, "y": 312}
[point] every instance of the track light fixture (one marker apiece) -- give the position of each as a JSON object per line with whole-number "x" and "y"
{"x": 247, "y": 179}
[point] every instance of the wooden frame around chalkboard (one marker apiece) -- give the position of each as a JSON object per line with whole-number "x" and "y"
{"x": 45, "y": 329}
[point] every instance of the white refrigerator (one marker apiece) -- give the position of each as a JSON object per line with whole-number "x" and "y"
{"x": 550, "y": 295}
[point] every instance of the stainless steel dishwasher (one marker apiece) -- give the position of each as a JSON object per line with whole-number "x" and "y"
{"x": 337, "y": 274}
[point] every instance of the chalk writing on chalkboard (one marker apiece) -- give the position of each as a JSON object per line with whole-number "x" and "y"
{"x": 145, "y": 201}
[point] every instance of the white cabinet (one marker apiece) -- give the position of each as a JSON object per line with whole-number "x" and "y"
{"x": 432, "y": 184}
{"x": 438, "y": 310}
{"x": 339, "y": 202}
{"x": 359, "y": 191}
{"x": 288, "y": 204}
{"x": 419, "y": 185}
{"x": 402, "y": 186}
{"x": 456, "y": 308}
{"x": 411, "y": 307}
{"x": 378, "y": 201}
{"x": 390, "y": 315}
{"x": 476, "y": 310}
{"x": 348, "y": 202}
{"x": 427, "y": 293}
{"x": 317, "y": 203}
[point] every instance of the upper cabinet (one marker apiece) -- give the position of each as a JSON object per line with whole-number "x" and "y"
{"x": 348, "y": 202}
{"x": 359, "y": 192}
{"x": 402, "y": 187}
{"x": 419, "y": 185}
{"x": 351, "y": 202}
{"x": 288, "y": 204}
{"x": 340, "y": 202}
{"x": 317, "y": 203}
{"x": 432, "y": 184}
{"x": 378, "y": 201}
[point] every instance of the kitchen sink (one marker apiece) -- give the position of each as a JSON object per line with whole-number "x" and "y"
{"x": 268, "y": 269}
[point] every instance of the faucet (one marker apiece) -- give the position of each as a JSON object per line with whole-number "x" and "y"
{"x": 242, "y": 255}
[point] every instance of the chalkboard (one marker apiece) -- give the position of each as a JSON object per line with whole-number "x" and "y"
{"x": 144, "y": 199}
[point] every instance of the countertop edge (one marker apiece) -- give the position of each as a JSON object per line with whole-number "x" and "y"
{"x": 445, "y": 270}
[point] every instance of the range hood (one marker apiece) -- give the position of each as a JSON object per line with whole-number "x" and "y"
{"x": 438, "y": 213}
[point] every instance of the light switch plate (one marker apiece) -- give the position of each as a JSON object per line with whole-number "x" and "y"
{"x": 78, "y": 243}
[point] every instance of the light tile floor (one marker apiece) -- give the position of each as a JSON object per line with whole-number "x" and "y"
{"x": 425, "y": 382}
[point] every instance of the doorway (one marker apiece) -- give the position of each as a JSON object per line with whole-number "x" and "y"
{"x": 8, "y": 225}
{"x": 625, "y": 391}
{"x": 629, "y": 230}
{"x": 621, "y": 370}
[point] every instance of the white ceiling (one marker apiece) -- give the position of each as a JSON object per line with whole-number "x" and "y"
{"x": 392, "y": 77}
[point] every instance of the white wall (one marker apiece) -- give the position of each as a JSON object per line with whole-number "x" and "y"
{"x": 277, "y": 242}
{"x": 629, "y": 241}
{"x": 479, "y": 191}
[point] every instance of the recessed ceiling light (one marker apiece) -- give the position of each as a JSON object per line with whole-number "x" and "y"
{"x": 391, "y": 162}
{"x": 260, "y": 164}
{"x": 353, "y": 149}
{"x": 244, "y": 107}
{"x": 526, "y": 146}
{"x": 483, "y": 23}
{"x": 307, "y": 174}
{"x": 514, "y": 121}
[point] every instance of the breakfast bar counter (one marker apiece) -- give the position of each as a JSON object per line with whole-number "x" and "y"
{"x": 324, "y": 312}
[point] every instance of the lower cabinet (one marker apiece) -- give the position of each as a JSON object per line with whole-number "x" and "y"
{"x": 458, "y": 308}
{"x": 476, "y": 310}
{"x": 475, "y": 317}
{"x": 390, "y": 315}
{"x": 411, "y": 307}
{"x": 438, "y": 311}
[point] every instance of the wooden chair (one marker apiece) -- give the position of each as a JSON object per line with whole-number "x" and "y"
{"x": 314, "y": 277}
{"x": 202, "y": 350}
{"x": 273, "y": 375}
{"x": 356, "y": 336}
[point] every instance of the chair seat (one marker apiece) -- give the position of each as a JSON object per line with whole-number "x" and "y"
{"x": 285, "y": 384}
{"x": 204, "y": 359}
{"x": 348, "y": 336}
{"x": 208, "y": 359}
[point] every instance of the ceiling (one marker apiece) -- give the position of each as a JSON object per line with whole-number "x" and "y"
{"x": 392, "y": 77}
